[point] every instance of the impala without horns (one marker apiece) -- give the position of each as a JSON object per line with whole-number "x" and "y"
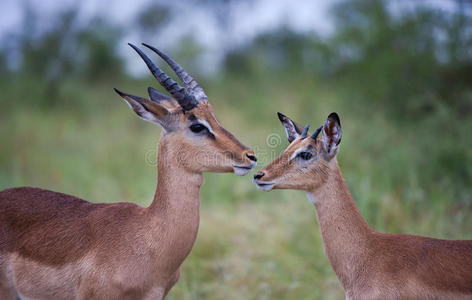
{"x": 57, "y": 246}
{"x": 369, "y": 265}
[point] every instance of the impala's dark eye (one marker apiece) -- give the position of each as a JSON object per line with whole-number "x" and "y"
{"x": 197, "y": 128}
{"x": 305, "y": 155}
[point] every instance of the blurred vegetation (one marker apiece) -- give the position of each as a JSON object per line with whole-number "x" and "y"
{"x": 401, "y": 82}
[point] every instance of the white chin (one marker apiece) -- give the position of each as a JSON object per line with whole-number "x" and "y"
{"x": 266, "y": 187}
{"x": 241, "y": 171}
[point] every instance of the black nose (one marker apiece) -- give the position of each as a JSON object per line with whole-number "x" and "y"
{"x": 251, "y": 157}
{"x": 259, "y": 175}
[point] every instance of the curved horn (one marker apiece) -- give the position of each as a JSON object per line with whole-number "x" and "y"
{"x": 317, "y": 132}
{"x": 185, "y": 100}
{"x": 305, "y": 131}
{"x": 189, "y": 82}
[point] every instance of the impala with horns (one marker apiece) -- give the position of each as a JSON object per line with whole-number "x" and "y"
{"x": 56, "y": 246}
{"x": 369, "y": 265}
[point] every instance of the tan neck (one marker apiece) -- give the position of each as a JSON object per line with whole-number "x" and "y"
{"x": 344, "y": 231}
{"x": 174, "y": 215}
{"x": 177, "y": 188}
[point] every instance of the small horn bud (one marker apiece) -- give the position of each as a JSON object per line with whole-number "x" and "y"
{"x": 316, "y": 133}
{"x": 305, "y": 131}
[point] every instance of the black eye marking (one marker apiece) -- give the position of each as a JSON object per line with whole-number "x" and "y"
{"x": 201, "y": 129}
{"x": 305, "y": 155}
{"x": 192, "y": 117}
{"x": 198, "y": 128}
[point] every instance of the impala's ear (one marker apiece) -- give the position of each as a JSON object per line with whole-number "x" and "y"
{"x": 146, "y": 109}
{"x": 157, "y": 96}
{"x": 331, "y": 135}
{"x": 291, "y": 128}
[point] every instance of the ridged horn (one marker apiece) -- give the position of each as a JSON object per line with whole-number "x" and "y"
{"x": 186, "y": 100}
{"x": 189, "y": 82}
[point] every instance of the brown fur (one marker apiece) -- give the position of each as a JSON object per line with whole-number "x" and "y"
{"x": 371, "y": 265}
{"x": 56, "y": 246}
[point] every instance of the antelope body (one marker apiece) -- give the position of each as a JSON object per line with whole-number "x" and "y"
{"x": 56, "y": 246}
{"x": 369, "y": 265}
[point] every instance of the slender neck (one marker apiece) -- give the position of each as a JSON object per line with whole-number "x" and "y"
{"x": 344, "y": 231}
{"x": 171, "y": 221}
{"x": 177, "y": 188}
{"x": 176, "y": 204}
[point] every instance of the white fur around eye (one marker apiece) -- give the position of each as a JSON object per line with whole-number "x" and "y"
{"x": 205, "y": 123}
{"x": 294, "y": 154}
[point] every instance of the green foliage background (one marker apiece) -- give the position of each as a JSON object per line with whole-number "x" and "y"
{"x": 402, "y": 84}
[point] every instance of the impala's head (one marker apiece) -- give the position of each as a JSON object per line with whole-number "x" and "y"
{"x": 304, "y": 165}
{"x": 191, "y": 130}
